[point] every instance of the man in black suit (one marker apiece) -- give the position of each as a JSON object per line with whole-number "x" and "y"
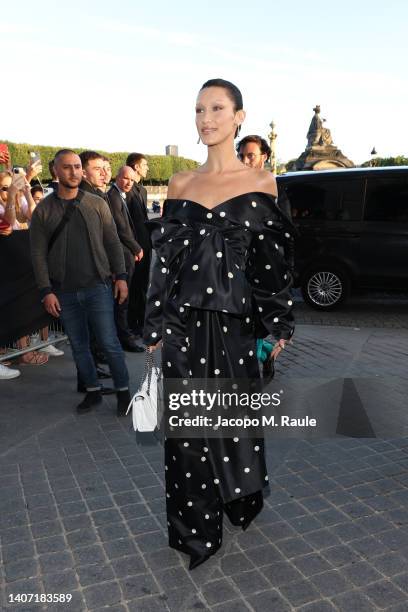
{"x": 132, "y": 250}
{"x": 137, "y": 204}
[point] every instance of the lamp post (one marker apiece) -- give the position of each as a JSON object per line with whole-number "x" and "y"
{"x": 272, "y": 142}
{"x": 373, "y": 156}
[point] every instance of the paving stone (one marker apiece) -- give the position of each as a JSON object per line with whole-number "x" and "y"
{"x": 340, "y": 555}
{"x": 89, "y": 554}
{"x": 162, "y": 559}
{"x": 24, "y": 568}
{"x": 172, "y": 577}
{"x": 61, "y": 582}
{"x": 15, "y": 534}
{"x": 368, "y": 547}
{"x": 138, "y": 586}
{"x": 124, "y": 499}
{"x": 318, "y": 606}
{"x": 31, "y": 585}
{"x": 234, "y": 563}
{"x": 103, "y": 517}
{"x": 330, "y": 517}
{"x": 94, "y": 574}
{"x": 219, "y": 591}
{"x": 348, "y": 531}
{"x": 401, "y": 581}
{"x": 73, "y": 523}
{"x": 147, "y": 604}
{"x": 48, "y": 528}
{"x": 100, "y": 503}
{"x": 128, "y": 566}
{"x": 281, "y": 573}
{"x": 133, "y": 511}
{"x": 103, "y": 594}
{"x": 112, "y": 532}
{"x": 301, "y": 592}
{"x": 316, "y": 504}
{"x": 278, "y": 531}
{"x": 311, "y": 564}
{"x": 321, "y": 538}
{"x": 119, "y": 548}
{"x": 268, "y": 600}
{"x": 251, "y": 538}
{"x": 55, "y": 562}
{"x": 183, "y": 598}
{"x": 384, "y": 594}
{"x": 389, "y": 564}
{"x": 17, "y": 551}
{"x": 361, "y": 573}
{"x": 82, "y": 537}
{"x": 46, "y": 513}
{"x": 293, "y": 547}
{"x": 72, "y": 508}
{"x": 231, "y": 606}
{"x": 151, "y": 541}
{"x": 330, "y": 583}
{"x": 394, "y": 539}
{"x": 250, "y": 582}
{"x": 264, "y": 555}
{"x": 374, "y": 524}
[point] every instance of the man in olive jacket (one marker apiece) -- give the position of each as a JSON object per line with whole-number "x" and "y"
{"x": 75, "y": 251}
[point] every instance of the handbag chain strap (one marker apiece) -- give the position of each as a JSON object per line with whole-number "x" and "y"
{"x": 148, "y": 369}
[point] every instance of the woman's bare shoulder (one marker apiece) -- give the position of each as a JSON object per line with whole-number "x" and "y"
{"x": 178, "y": 183}
{"x": 266, "y": 182}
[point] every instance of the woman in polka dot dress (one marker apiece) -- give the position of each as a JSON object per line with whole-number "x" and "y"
{"x": 220, "y": 282}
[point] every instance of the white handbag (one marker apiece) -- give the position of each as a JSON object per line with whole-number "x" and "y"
{"x": 144, "y": 403}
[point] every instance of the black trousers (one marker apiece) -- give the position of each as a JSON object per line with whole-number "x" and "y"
{"x": 122, "y": 310}
{"x": 138, "y": 290}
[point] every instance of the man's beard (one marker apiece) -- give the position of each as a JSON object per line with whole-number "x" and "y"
{"x": 68, "y": 185}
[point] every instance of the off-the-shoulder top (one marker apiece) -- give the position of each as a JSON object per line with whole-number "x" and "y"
{"x": 229, "y": 258}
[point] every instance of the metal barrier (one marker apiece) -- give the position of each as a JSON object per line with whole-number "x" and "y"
{"x": 35, "y": 343}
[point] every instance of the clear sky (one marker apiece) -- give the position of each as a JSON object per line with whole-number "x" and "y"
{"x": 124, "y": 75}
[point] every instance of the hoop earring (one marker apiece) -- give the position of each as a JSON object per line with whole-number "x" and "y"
{"x": 199, "y": 140}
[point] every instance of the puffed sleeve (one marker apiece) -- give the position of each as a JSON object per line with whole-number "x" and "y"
{"x": 270, "y": 278}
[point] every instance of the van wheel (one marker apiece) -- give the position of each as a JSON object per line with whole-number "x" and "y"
{"x": 325, "y": 287}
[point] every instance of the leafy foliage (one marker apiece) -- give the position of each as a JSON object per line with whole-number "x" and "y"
{"x": 161, "y": 167}
{"x": 400, "y": 160}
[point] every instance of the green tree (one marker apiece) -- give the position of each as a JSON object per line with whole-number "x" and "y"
{"x": 399, "y": 160}
{"x": 161, "y": 167}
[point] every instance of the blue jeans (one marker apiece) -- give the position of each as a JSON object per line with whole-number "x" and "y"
{"x": 93, "y": 307}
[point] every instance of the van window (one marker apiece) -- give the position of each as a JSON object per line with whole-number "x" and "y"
{"x": 387, "y": 199}
{"x": 326, "y": 200}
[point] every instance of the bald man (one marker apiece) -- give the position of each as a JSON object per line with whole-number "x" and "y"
{"x": 132, "y": 250}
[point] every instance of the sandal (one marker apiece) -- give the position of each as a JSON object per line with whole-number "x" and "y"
{"x": 33, "y": 358}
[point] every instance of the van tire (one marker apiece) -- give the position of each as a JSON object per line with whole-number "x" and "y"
{"x": 325, "y": 287}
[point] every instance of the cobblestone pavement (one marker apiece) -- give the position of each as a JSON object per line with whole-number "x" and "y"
{"x": 82, "y": 503}
{"x": 370, "y": 309}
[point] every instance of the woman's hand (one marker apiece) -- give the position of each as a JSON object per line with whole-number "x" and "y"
{"x": 33, "y": 169}
{"x": 153, "y": 347}
{"x": 279, "y": 346}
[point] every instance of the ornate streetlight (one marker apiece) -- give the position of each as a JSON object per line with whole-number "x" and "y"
{"x": 272, "y": 142}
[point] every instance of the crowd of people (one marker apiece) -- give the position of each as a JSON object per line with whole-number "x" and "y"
{"x": 20, "y": 193}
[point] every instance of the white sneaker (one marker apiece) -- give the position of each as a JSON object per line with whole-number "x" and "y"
{"x": 7, "y": 373}
{"x": 52, "y": 350}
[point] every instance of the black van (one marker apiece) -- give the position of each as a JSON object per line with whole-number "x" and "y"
{"x": 353, "y": 231}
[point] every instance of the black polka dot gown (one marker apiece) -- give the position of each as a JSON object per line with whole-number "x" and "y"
{"x": 220, "y": 281}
